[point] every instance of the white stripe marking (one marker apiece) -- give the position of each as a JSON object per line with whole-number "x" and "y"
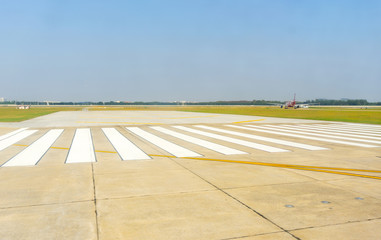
{"x": 203, "y": 143}
{"x": 330, "y": 131}
{"x": 81, "y": 149}
{"x": 273, "y": 140}
{"x": 12, "y": 133}
{"x": 163, "y": 144}
{"x": 233, "y": 140}
{"x": 306, "y": 132}
{"x": 346, "y": 130}
{"x": 32, "y": 154}
{"x": 363, "y": 126}
{"x": 125, "y": 148}
{"x": 263, "y": 129}
{"x": 15, "y": 138}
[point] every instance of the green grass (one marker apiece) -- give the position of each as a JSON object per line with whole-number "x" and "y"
{"x": 341, "y": 114}
{"x": 11, "y": 114}
{"x": 356, "y": 115}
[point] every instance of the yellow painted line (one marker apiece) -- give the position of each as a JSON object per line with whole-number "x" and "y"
{"x": 340, "y": 173}
{"x": 154, "y": 155}
{"x": 118, "y": 122}
{"x": 20, "y": 145}
{"x": 256, "y": 120}
{"x": 104, "y": 151}
{"x": 306, "y": 168}
{"x": 291, "y": 166}
{"x": 60, "y": 148}
{"x": 272, "y": 164}
{"x": 281, "y": 165}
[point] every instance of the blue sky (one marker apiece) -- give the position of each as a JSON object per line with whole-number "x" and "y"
{"x": 194, "y": 50}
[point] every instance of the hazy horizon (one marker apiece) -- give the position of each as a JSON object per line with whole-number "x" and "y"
{"x": 196, "y": 50}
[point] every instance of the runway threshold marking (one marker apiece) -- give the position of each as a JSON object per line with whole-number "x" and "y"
{"x": 282, "y": 132}
{"x": 233, "y": 140}
{"x": 267, "y": 139}
{"x": 203, "y": 143}
{"x": 34, "y": 152}
{"x": 12, "y": 133}
{"x": 23, "y": 145}
{"x": 82, "y": 148}
{"x": 256, "y": 120}
{"x": 350, "y": 130}
{"x": 334, "y": 132}
{"x": 63, "y": 148}
{"x": 291, "y": 166}
{"x": 15, "y": 138}
{"x": 319, "y": 134}
{"x": 125, "y": 148}
{"x": 167, "y": 146}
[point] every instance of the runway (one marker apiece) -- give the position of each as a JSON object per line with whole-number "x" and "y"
{"x": 82, "y": 150}
{"x": 194, "y": 176}
{"x": 122, "y": 118}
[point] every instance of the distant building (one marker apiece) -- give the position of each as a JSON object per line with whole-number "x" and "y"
{"x": 2, "y": 99}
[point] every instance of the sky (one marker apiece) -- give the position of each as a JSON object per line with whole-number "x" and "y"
{"x": 190, "y": 50}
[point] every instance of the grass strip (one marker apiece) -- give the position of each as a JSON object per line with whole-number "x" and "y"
{"x": 11, "y": 114}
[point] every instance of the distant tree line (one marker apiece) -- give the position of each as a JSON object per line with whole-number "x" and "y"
{"x": 242, "y": 102}
{"x": 346, "y": 102}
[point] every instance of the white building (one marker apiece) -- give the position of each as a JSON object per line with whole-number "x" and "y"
{"x": 2, "y": 99}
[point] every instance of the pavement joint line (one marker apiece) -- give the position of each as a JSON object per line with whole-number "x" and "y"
{"x": 45, "y": 204}
{"x": 157, "y": 194}
{"x": 237, "y": 200}
{"x": 254, "y": 235}
{"x": 336, "y": 224}
{"x": 274, "y": 184}
{"x": 256, "y": 120}
{"x": 95, "y": 201}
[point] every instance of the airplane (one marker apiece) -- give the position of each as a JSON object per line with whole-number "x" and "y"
{"x": 292, "y": 104}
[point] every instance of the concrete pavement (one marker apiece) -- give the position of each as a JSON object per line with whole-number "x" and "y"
{"x": 262, "y": 195}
